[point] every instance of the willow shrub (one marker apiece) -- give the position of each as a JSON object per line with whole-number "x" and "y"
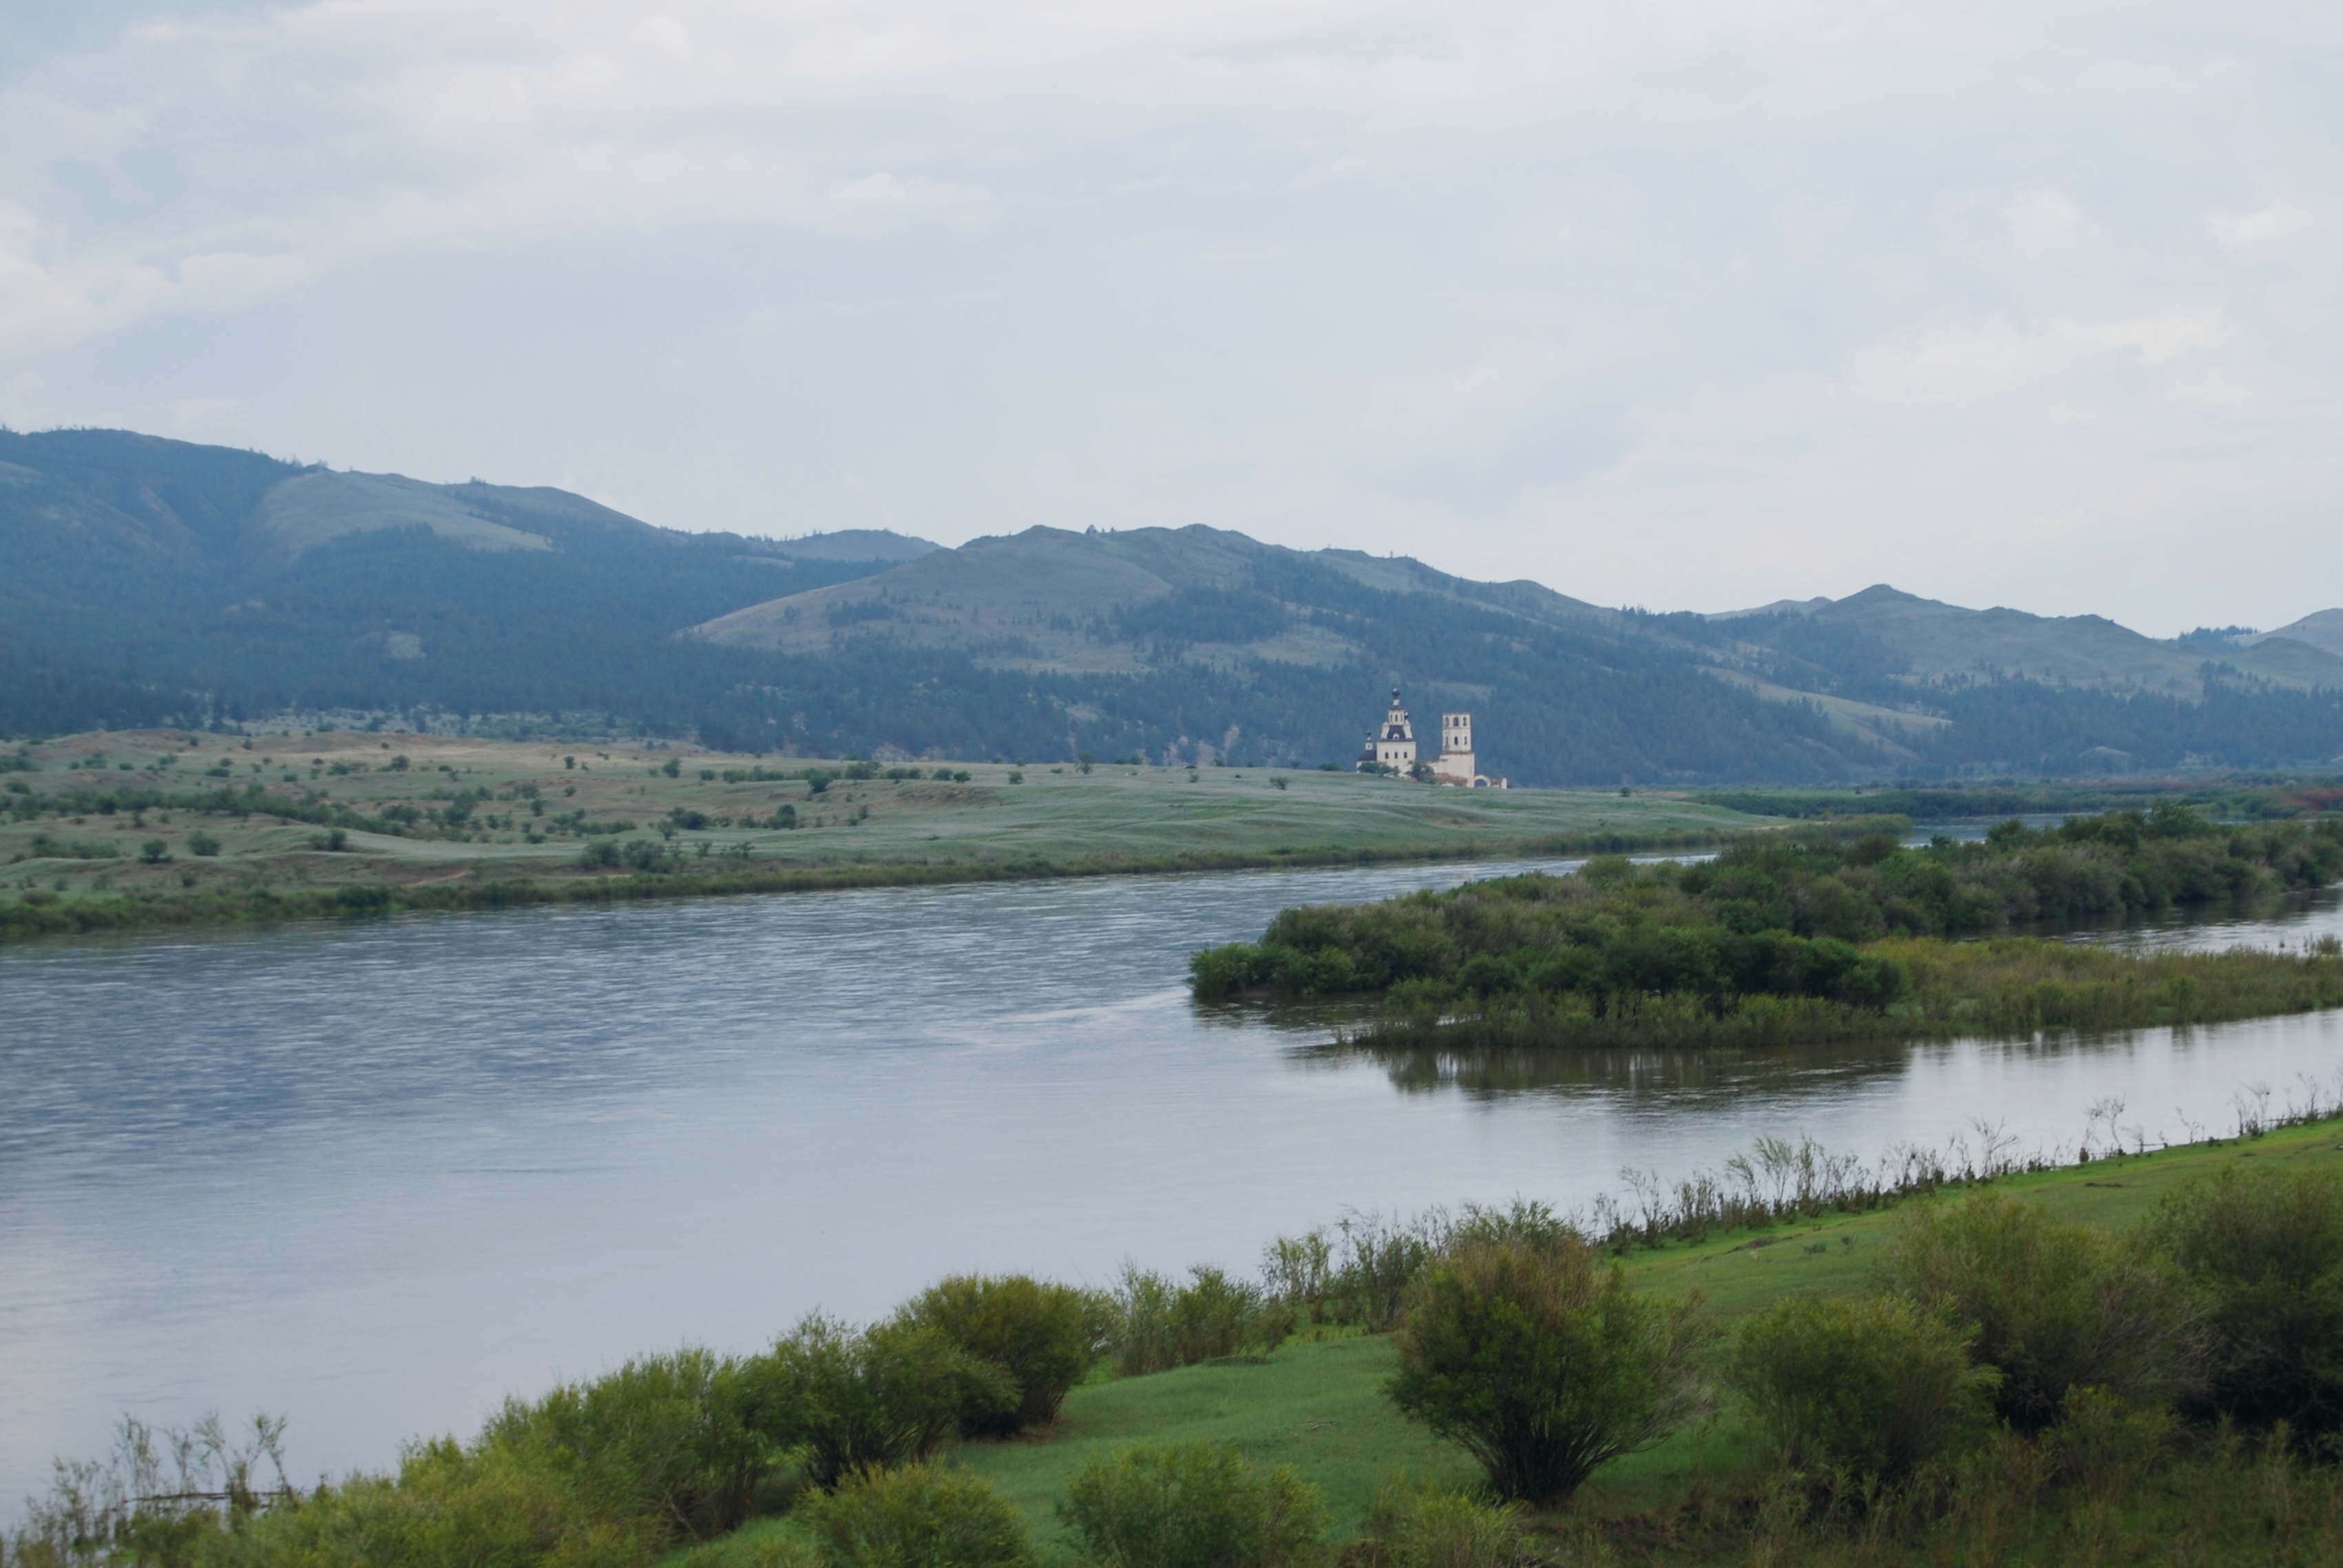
{"x": 916, "y": 1516}
{"x": 1156, "y": 1323}
{"x": 673, "y": 1439}
{"x": 2265, "y": 1251}
{"x": 1539, "y": 1361}
{"x": 1045, "y": 1336}
{"x": 1870, "y": 1386}
{"x": 881, "y": 1396}
{"x": 1191, "y": 1506}
{"x": 2055, "y": 1305}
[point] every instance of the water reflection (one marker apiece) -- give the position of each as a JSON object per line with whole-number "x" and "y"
{"x": 1684, "y": 1075}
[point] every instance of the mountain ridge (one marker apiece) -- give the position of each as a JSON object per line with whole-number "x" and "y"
{"x": 154, "y": 578}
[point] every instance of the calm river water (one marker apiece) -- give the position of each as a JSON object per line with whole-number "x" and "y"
{"x": 375, "y": 1177}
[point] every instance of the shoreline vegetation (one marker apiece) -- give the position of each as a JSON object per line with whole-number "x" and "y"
{"x": 131, "y": 912}
{"x": 1952, "y": 1356}
{"x": 1809, "y": 936}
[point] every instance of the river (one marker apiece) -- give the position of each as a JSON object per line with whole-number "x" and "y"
{"x": 375, "y": 1177}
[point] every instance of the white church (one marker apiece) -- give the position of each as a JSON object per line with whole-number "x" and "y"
{"x": 1393, "y": 746}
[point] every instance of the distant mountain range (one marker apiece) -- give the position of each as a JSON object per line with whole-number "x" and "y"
{"x": 151, "y": 579}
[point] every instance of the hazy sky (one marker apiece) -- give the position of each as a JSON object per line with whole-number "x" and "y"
{"x": 1689, "y": 304}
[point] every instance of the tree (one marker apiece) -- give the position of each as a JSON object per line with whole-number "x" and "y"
{"x": 1541, "y": 1362}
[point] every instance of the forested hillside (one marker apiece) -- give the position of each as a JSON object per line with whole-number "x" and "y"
{"x": 155, "y": 581}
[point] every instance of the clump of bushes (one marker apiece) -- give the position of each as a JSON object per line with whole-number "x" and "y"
{"x": 881, "y": 1396}
{"x": 1156, "y": 1323}
{"x": 1535, "y": 1357}
{"x": 1046, "y": 1337}
{"x": 1872, "y": 1386}
{"x": 681, "y": 1438}
{"x": 1433, "y": 1527}
{"x": 2055, "y": 1305}
{"x": 916, "y": 1516}
{"x": 1191, "y": 1506}
{"x": 2264, "y": 1253}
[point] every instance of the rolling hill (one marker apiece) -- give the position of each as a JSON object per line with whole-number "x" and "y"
{"x": 155, "y": 580}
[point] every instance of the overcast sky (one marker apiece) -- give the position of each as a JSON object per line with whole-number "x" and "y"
{"x": 1691, "y": 305}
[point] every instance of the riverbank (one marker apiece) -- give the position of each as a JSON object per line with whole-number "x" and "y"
{"x": 112, "y": 832}
{"x": 1312, "y": 1396}
{"x": 1319, "y": 1404}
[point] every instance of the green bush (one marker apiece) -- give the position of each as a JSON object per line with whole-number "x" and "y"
{"x": 1434, "y": 1527}
{"x": 1191, "y": 1506}
{"x": 674, "y": 1440}
{"x": 2265, "y": 1252}
{"x": 775, "y": 1548}
{"x": 861, "y": 1399}
{"x": 2055, "y": 1305}
{"x": 492, "y": 1506}
{"x": 2102, "y": 1439}
{"x": 1542, "y": 1363}
{"x": 202, "y": 843}
{"x": 1154, "y": 1325}
{"x": 1046, "y": 1336}
{"x": 1875, "y": 1386}
{"x": 917, "y": 1516}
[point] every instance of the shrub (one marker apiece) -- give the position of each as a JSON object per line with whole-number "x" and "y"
{"x": 755, "y": 1549}
{"x": 2265, "y": 1252}
{"x": 202, "y": 843}
{"x": 1876, "y": 1387}
{"x": 1046, "y": 1336}
{"x": 2100, "y": 1438}
{"x": 1191, "y": 1506}
{"x": 1433, "y": 1527}
{"x": 919, "y": 1516}
{"x": 1155, "y": 1325}
{"x": 598, "y": 854}
{"x": 153, "y": 852}
{"x": 668, "y": 1439}
{"x": 885, "y": 1395}
{"x": 1541, "y": 1362}
{"x": 447, "y": 1505}
{"x": 2055, "y": 1305}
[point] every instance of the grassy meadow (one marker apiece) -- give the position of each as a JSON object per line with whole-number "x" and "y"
{"x": 246, "y": 828}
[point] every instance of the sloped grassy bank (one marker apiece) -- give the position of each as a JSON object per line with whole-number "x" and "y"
{"x": 2091, "y": 1380}
{"x": 1813, "y": 937}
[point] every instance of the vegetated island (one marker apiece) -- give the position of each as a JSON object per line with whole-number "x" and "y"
{"x": 1938, "y": 1359}
{"x": 117, "y": 831}
{"x": 1807, "y": 936}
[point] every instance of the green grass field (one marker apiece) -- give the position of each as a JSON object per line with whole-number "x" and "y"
{"x": 530, "y": 806}
{"x": 1318, "y": 1404}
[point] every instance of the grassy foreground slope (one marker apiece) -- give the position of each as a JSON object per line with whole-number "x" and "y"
{"x": 1318, "y": 1404}
{"x": 247, "y": 828}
